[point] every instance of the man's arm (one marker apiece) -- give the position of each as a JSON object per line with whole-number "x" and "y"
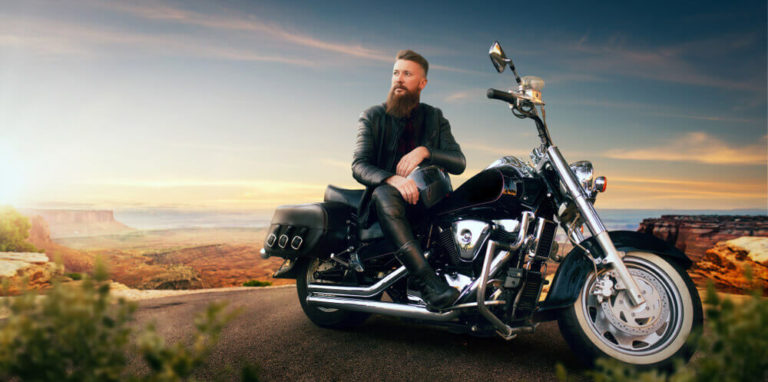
{"x": 363, "y": 169}
{"x": 448, "y": 153}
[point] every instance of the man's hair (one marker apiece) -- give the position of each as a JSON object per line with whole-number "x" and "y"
{"x": 410, "y": 55}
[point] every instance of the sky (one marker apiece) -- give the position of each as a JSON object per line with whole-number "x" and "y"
{"x": 246, "y": 105}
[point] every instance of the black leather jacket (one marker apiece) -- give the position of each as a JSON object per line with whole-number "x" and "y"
{"x": 376, "y": 147}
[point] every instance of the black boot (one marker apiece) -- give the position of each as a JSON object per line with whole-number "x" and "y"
{"x": 392, "y": 210}
{"x": 434, "y": 290}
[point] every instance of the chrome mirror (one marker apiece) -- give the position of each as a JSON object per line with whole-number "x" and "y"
{"x": 498, "y": 57}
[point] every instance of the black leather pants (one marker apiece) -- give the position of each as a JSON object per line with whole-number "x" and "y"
{"x": 393, "y": 211}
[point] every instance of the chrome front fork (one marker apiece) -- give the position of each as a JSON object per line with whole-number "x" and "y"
{"x": 595, "y": 225}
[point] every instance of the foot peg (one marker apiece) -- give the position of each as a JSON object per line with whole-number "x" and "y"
{"x": 354, "y": 262}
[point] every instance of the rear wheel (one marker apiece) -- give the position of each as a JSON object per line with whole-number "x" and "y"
{"x": 324, "y": 317}
{"x": 651, "y": 335}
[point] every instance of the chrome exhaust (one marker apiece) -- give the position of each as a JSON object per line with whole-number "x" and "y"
{"x": 368, "y": 291}
{"x": 378, "y": 307}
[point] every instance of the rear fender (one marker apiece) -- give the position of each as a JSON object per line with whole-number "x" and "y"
{"x": 573, "y": 271}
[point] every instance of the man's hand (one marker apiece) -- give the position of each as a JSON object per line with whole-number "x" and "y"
{"x": 410, "y": 161}
{"x": 407, "y": 188}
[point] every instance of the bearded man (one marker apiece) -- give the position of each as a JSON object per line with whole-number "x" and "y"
{"x": 392, "y": 140}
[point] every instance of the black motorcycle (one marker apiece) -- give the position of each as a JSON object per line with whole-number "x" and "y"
{"x": 619, "y": 294}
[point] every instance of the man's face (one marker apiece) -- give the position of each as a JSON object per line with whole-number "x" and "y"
{"x": 407, "y": 77}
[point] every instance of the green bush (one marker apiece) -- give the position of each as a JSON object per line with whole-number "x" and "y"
{"x": 735, "y": 347}
{"x": 76, "y": 333}
{"x": 257, "y": 283}
{"x": 75, "y": 276}
{"x": 14, "y": 231}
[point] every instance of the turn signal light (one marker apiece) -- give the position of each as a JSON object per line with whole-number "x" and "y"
{"x": 601, "y": 184}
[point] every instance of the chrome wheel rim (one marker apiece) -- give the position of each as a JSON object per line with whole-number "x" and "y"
{"x": 636, "y": 331}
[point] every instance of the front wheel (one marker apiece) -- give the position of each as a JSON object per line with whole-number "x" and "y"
{"x": 651, "y": 335}
{"x": 324, "y": 317}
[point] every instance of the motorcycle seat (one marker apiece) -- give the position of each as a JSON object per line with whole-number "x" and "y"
{"x": 342, "y": 195}
{"x": 352, "y": 198}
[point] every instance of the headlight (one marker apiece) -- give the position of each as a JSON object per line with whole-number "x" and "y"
{"x": 583, "y": 171}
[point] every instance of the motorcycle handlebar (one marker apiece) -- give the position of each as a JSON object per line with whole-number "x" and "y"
{"x": 500, "y": 95}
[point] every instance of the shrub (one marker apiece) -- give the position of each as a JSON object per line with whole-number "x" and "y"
{"x": 14, "y": 231}
{"x": 75, "y": 276}
{"x": 257, "y": 283}
{"x": 77, "y": 334}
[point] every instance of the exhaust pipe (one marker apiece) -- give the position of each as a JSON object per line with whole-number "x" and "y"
{"x": 368, "y": 291}
{"x": 378, "y": 307}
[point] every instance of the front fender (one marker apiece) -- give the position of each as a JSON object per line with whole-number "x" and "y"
{"x": 573, "y": 271}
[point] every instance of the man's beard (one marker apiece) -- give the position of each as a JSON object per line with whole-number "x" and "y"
{"x": 401, "y": 105}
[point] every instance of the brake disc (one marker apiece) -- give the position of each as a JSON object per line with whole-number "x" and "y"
{"x": 643, "y": 319}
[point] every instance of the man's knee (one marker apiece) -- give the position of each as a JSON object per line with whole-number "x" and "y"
{"x": 385, "y": 193}
{"x": 388, "y": 200}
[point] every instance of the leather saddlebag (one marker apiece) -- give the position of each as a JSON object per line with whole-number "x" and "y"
{"x": 315, "y": 230}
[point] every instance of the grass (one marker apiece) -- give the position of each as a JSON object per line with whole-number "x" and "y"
{"x": 257, "y": 283}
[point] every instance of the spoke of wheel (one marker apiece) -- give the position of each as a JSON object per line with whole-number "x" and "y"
{"x": 625, "y": 341}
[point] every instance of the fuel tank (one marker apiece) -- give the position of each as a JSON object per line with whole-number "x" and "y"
{"x": 505, "y": 189}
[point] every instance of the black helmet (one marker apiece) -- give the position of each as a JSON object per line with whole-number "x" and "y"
{"x": 433, "y": 183}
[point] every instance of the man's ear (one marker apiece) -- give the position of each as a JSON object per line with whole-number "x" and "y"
{"x": 422, "y": 84}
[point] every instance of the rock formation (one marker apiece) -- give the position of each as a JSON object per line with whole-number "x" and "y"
{"x": 695, "y": 234}
{"x": 726, "y": 262}
{"x": 27, "y": 270}
{"x": 73, "y": 260}
{"x": 76, "y": 223}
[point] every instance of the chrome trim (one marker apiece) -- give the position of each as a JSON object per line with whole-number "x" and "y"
{"x": 612, "y": 257}
{"x": 614, "y": 261}
{"x": 474, "y": 304}
{"x": 342, "y": 262}
{"x": 271, "y": 239}
{"x": 368, "y": 291}
{"x": 282, "y": 243}
{"x": 469, "y": 236}
{"x": 503, "y": 329}
{"x": 379, "y": 307}
{"x": 502, "y": 257}
{"x": 540, "y": 225}
{"x": 294, "y": 240}
{"x": 575, "y": 190}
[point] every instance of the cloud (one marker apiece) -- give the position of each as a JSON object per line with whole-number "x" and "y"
{"x": 73, "y": 39}
{"x": 686, "y": 183}
{"x": 678, "y": 63}
{"x": 466, "y": 95}
{"x": 699, "y": 147}
{"x": 654, "y": 109}
{"x": 644, "y": 192}
{"x": 235, "y": 22}
{"x": 347, "y": 165}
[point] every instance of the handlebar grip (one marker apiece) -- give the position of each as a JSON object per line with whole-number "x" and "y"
{"x": 501, "y": 95}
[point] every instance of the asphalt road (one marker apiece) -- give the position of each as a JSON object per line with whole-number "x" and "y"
{"x": 273, "y": 333}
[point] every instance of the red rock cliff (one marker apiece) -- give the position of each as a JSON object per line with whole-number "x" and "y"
{"x": 69, "y": 223}
{"x": 695, "y": 234}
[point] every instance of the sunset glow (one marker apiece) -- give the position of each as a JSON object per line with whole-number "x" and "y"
{"x": 249, "y": 105}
